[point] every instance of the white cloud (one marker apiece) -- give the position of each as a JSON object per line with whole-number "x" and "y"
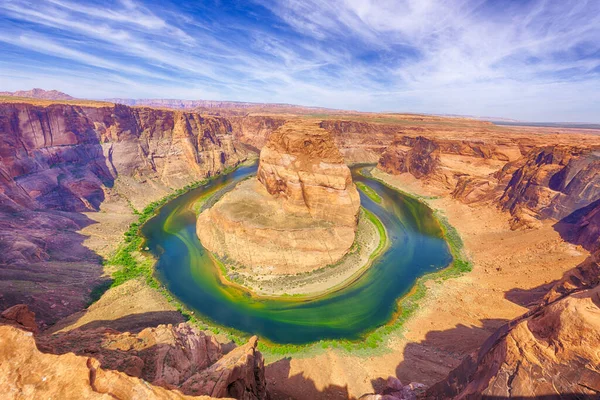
{"x": 533, "y": 61}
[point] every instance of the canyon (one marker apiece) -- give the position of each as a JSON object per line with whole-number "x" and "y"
{"x": 74, "y": 176}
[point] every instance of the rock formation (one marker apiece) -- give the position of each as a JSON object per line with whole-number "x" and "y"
{"x": 302, "y": 166}
{"x": 550, "y": 351}
{"x": 583, "y": 226}
{"x": 254, "y": 130}
{"x": 118, "y": 365}
{"x": 551, "y": 182}
{"x": 546, "y": 182}
{"x": 61, "y": 156}
{"x": 300, "y": 214}
{"x": 59, "y": 160}
{"x": 422, "y": 160}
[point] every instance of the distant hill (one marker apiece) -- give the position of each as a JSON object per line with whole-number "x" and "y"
{"x": 215, "y": 104}
{"x": 39, "y": 94}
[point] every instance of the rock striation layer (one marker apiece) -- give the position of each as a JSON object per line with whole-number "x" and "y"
{"x": 299, "y": 214}
{"x": 421, "y": 160}
{"x": 548, "y": 182}
{"x": 58, "y": 161}
{"x": 302, "y": 166}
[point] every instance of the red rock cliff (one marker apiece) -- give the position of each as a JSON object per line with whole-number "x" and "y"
{"x": 59, "y": 160}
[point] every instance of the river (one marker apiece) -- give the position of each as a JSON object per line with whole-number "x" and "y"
{"x": 417, "y": 247}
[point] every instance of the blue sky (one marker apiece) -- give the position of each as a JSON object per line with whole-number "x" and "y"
{"x": 531, "y": 59}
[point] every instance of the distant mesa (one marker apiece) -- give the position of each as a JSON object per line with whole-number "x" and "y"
{"x": 299, "y": 214}
{"x": 220, "y": 105}
{"x": 39, "y": 94}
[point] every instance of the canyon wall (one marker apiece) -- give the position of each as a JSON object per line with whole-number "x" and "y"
{"x": 60, "y": 162}
{"x": 421, "y": 160}
{"x": 254, "y": 130}
{"x": 60, "y": 156}
{"x": 549, "y": 351}
{"x": 552, "y": 182}
{"x": 548, "y": 182}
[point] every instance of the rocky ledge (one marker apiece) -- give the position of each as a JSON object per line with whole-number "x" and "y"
{"x": 299, "y": 214}
{"x": 166, "y": 362}
{"x": 551, "y": 351}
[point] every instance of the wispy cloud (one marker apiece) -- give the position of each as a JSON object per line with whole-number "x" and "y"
{"x": 535, "y": 60}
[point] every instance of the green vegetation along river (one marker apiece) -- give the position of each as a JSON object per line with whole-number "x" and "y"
{"x": 417, "y": 247}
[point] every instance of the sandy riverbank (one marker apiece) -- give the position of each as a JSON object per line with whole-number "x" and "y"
{"x": 456, "y": 316}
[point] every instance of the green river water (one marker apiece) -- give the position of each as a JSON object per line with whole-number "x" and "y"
{"x": 416, "y": 247}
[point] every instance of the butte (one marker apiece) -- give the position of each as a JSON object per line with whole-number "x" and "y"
{"x": 299, "y": 213}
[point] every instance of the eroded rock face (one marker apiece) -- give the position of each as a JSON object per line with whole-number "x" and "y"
{"x": 551, "y": 350}
{"x": 19, "y": 315}
{"x": 61, "y": 160}
{"x": 300, "y": 213}
{"x": 255, "y": 130}
{"x": 177, "y": 361}
{"x": 301, "y": 164}
{"x": 552, "y": 182}
{"x": 62, "y": 155}
{"x": 421, "y": 160}
{"x": 27, "y": 373}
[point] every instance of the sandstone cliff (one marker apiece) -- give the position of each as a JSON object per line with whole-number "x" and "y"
{"x": 61, "y": 160}
{"x": 545, "y": 182}
{"x": 302, "y": 165}
{"x": 550, "y": 351}
{"x": 551, "y": 182}
{"x": 421, "y": 160}
{"x": 300, "y": 214}
{"x": 254, "y": 130}
{"x": 176, "y": 361}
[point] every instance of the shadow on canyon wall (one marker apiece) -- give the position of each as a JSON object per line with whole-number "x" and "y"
{"x": 582, "y": 226}
{"x": 43, "y": 259}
